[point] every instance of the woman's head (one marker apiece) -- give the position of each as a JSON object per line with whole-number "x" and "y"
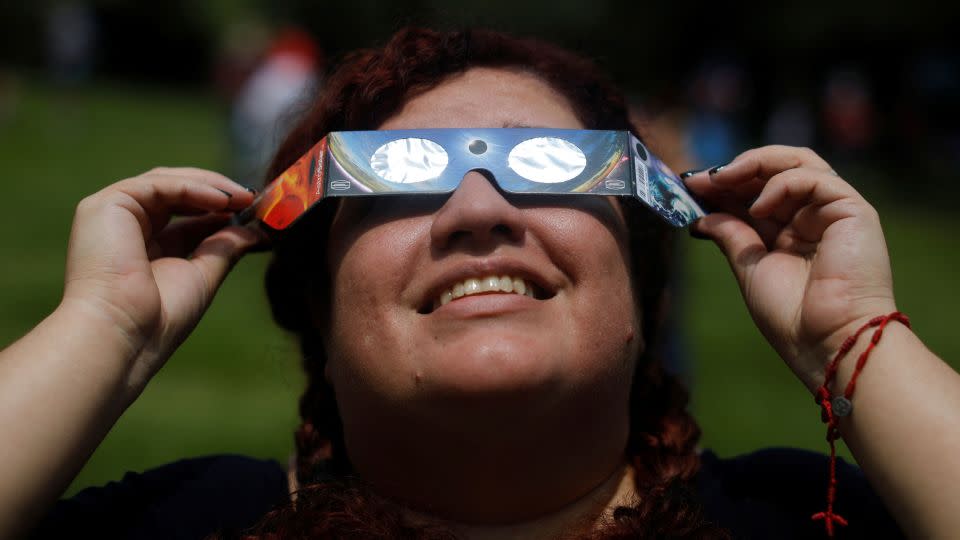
{"x": 363, "y": 302}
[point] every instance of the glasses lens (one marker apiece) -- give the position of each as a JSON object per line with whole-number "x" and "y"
{"x": 547, "y": 160}
{"x": 406, "y": 161}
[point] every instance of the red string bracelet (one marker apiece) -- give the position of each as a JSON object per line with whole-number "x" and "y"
{"x": 833, "y": 408}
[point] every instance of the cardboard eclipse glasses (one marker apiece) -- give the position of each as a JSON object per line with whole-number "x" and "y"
{"x": 434, "y": 161}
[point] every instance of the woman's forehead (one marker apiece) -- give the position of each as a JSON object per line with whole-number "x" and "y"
{"x": 488, "y": 98}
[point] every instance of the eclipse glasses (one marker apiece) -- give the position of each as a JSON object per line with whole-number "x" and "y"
{"x": 434, "y": 161}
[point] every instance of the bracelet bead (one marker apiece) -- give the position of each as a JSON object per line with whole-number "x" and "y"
{"x": 841, "y": 406}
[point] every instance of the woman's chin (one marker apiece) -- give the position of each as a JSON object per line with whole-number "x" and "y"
{"x": 500, "y": 367}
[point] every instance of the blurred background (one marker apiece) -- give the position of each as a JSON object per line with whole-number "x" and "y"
{"x": 93, "y": 92}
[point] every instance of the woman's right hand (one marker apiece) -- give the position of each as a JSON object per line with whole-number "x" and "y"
{"x": 148, "y": 276}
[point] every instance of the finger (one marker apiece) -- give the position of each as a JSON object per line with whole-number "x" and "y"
{"x": 217, "y": 254}
{"x": 793, "y": 189}
{"x": 159, "y": 194}
{"x": 188, "y": 286}
{"x": 233, "y": 195}
{"x": 730, "y": 202}
{"x": 765, "y": 162}
{"x": 182, "y": 236}
{"x": 188, "y": 293}
{"x": 703, "y": 187}
{"x": 739, "y": 242}
{"x": 187, "y": 212}
{"x": 213, "y": 178}
{"x": 811, "y": 221}
{"x": 264, "y": 242}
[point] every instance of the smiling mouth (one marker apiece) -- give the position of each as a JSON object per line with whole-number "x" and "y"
{"x": 486, "y": 285}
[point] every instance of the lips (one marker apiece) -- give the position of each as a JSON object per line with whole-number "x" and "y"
{"x": 486, "y": 285}
{"x": 480, "y": 277}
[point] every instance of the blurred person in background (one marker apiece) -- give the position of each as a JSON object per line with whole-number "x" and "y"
{"x": 538, "y": 409}
{"x": 242, "y": 46}
{"x": 928, "y": 119}
{"x": 717, "y": 95}
{"x": 288, "y": 72}
{"x": 791, "y": 122}
{"x": 9, "y": 96}
{"x": 71, "y": 39}
{"x": 849, "y": 116}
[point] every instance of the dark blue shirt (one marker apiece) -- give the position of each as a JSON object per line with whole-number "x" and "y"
{"x": 769, "y": 494}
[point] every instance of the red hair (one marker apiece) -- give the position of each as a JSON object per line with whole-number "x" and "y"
{"x": 368, "y": 87}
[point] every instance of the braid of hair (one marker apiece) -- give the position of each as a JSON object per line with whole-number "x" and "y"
{"x": 662, "y": 450}
{"x": 339, "y": 509}
{"x": 320, "y": 430}
{"x": 294, "y": 276}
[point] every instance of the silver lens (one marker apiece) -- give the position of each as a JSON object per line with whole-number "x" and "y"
{"x": 406, "y": 161}
{"x": 547, "y": 160}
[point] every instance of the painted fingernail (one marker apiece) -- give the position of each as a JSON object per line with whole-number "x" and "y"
{"x": 694, "y": 233}
{"x": 227, "y": 193}
{"x": 716, "y": 169}
{"x": 251, "y": 190}
{"x": 691, "y": 172}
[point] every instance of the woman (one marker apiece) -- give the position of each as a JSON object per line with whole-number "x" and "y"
{"x": 490, "y": 416}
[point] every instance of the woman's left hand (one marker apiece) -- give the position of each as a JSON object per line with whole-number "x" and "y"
{"x": 806, "y": 248}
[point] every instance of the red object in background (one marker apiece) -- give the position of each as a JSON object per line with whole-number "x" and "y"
{"x": 296, "y": 45}
{"x": 848, "y": 112}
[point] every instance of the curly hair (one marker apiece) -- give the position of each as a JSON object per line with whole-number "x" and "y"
{"x": 368, "y": 87}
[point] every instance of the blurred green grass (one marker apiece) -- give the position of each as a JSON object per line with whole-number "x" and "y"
{"x": 232, "y": 387}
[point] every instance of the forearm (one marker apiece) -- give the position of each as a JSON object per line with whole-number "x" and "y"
{"x": 905, "y": 430}
{"x": 62, "y": 387}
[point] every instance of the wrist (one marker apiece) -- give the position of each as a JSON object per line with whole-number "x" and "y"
{"x": 820, "y": 355}
{"x": 96, "y": 337}
{"x": 847, "y": 350}
{"x": 106, "y": 318}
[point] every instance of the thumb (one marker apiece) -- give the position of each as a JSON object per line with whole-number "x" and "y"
{"x": 187, "y": 287}
{"x": 738, "y": 241}
{"x": 217, "y": 254}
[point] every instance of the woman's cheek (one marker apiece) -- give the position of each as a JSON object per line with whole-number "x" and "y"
{"x": 367, "y": 322}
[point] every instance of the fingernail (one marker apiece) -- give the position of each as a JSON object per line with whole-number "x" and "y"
{"x": 694, "y": 233}
{"x": 716, "y": 169}
{"x": 251, "y": 190}
{"x": 691, "y": 172}
{"x": 227, "y": 193}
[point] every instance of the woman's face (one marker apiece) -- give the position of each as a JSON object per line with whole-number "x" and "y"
{"x": 393, "y": 354}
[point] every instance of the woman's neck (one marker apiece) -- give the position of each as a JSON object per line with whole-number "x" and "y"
{"x": 583, "y": 515}
{"x": 505, "y": 468}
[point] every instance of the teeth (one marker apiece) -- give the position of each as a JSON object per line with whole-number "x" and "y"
{"x": 470, "y": 286}
{"x": 519, "y": 286}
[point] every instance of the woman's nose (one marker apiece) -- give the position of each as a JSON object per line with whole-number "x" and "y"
{"x": 477, "y": 216}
